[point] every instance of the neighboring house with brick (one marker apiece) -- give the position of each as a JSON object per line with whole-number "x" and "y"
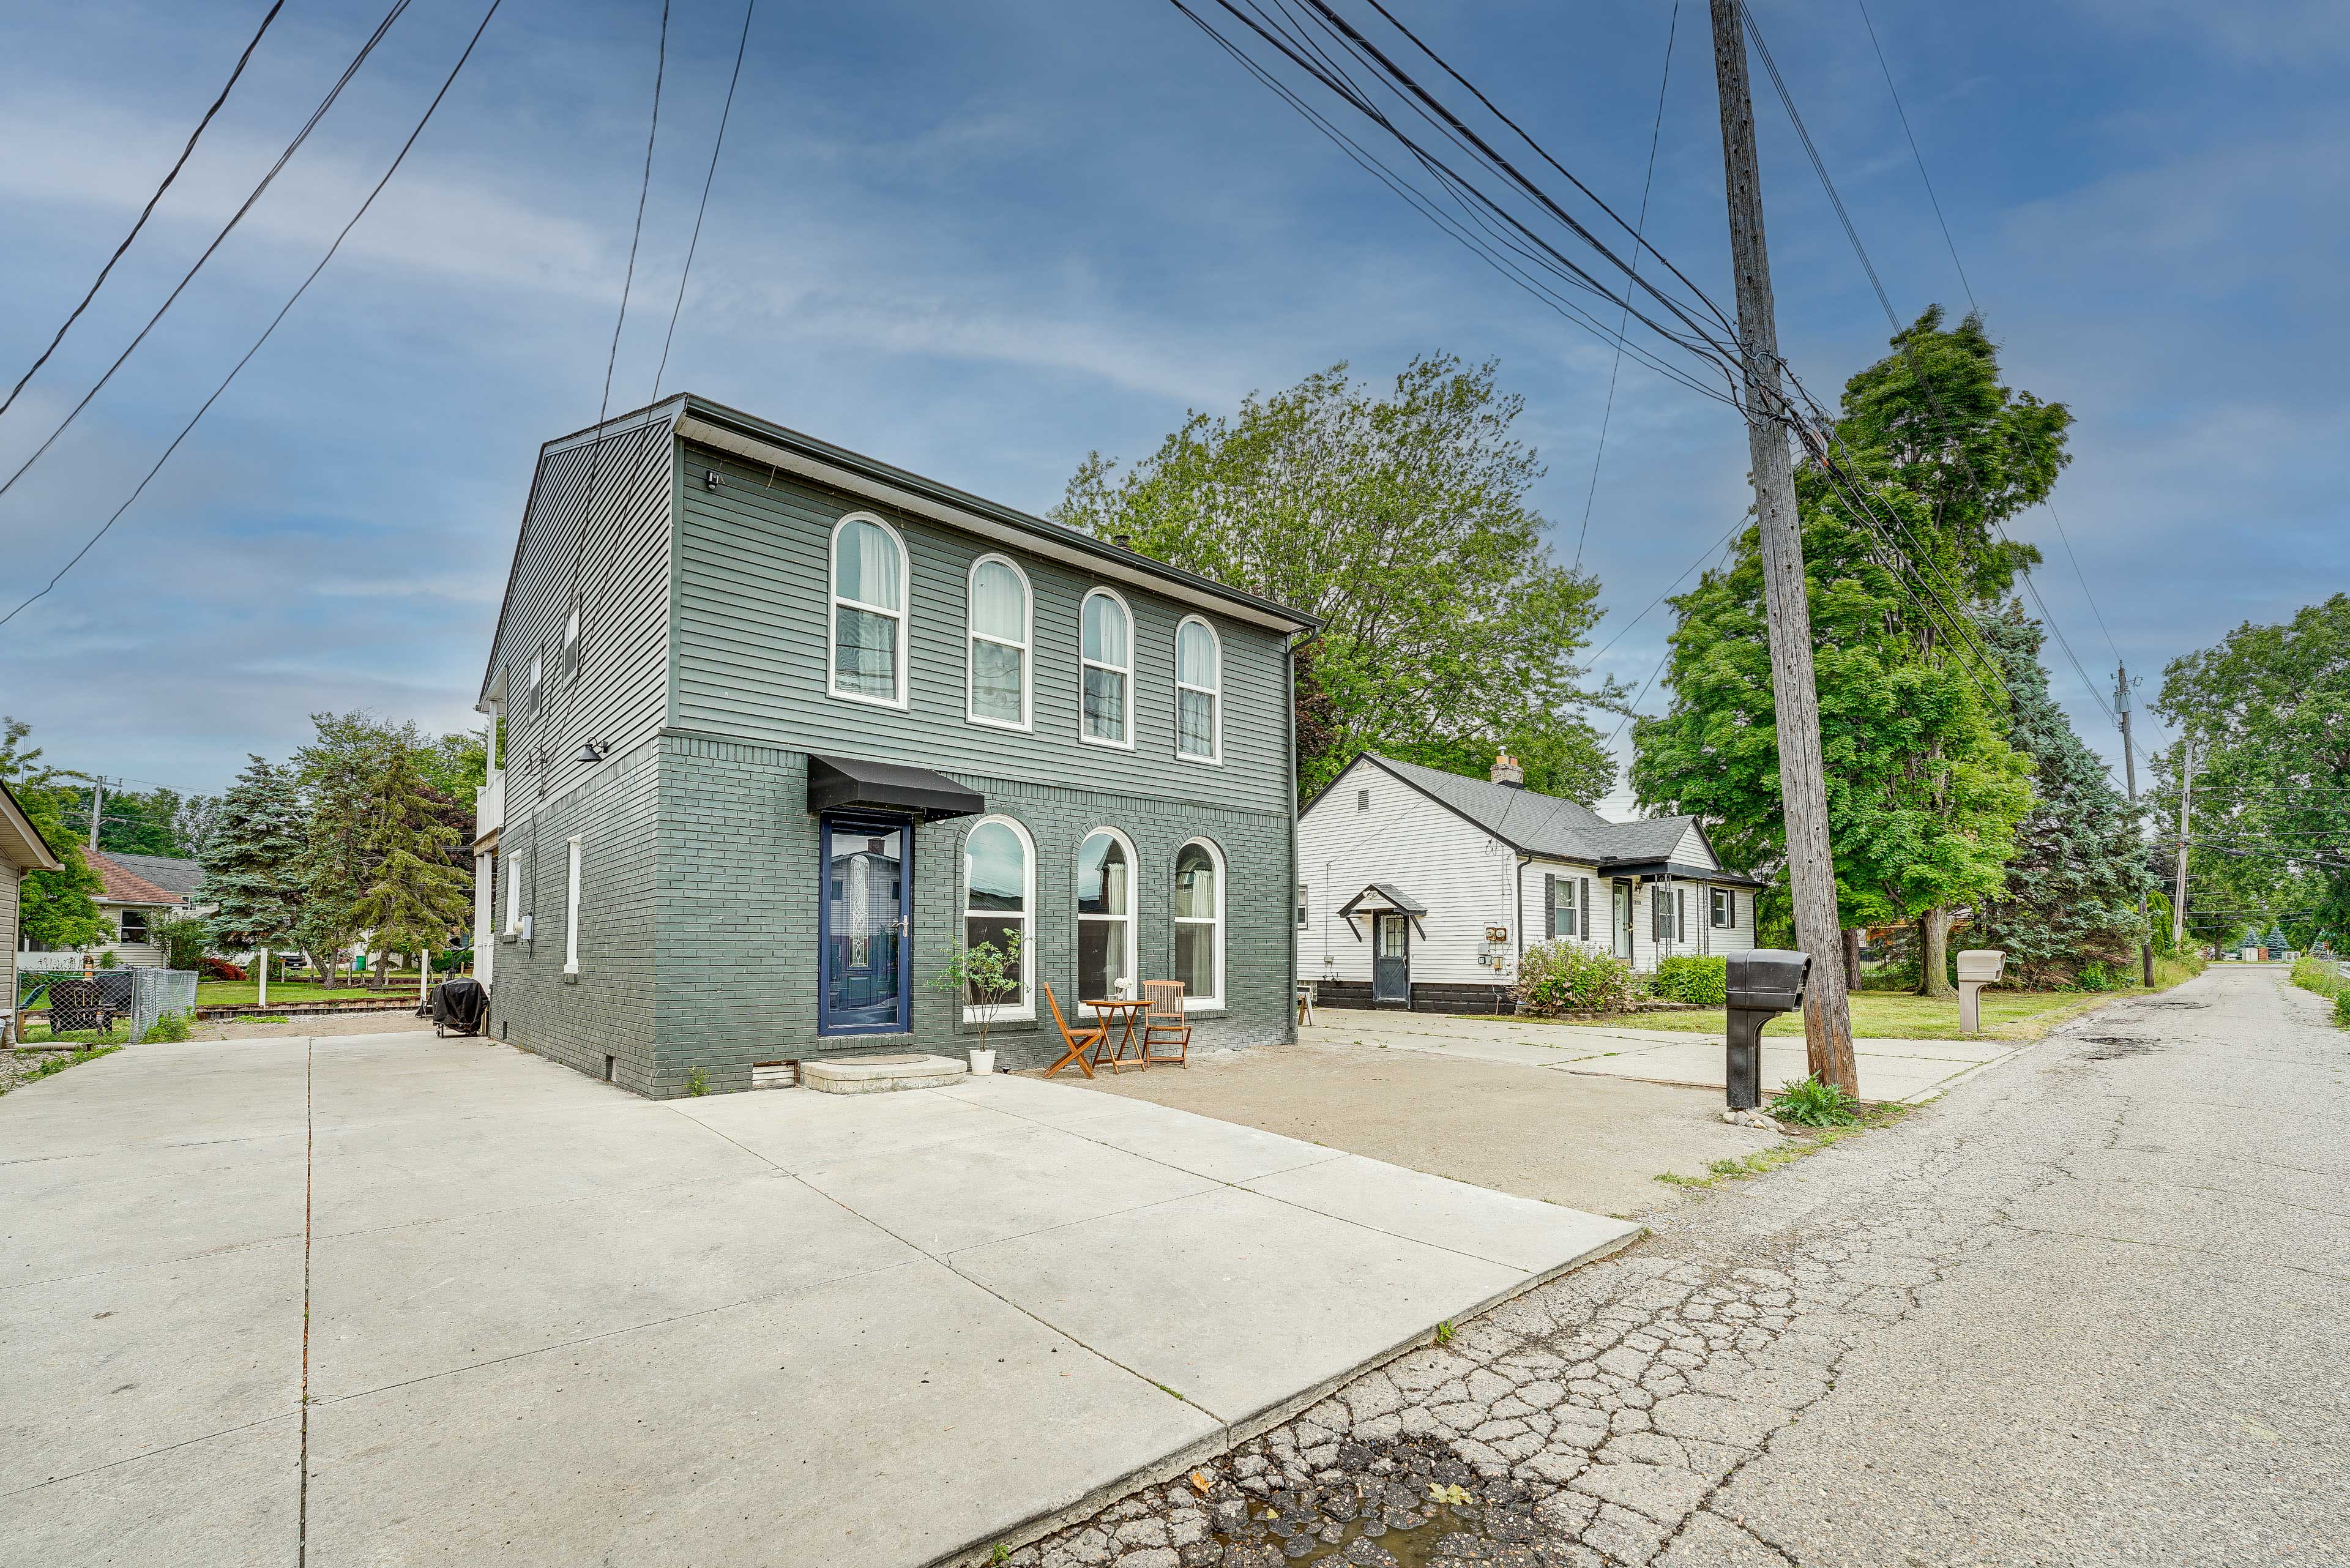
{"x": 1420, "y": 888}
{"x": 783, "y": 725}
{"x": 22, "y": 850}
{"x": 139, "y": 890}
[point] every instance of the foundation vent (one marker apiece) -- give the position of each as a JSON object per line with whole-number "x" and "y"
{"x": 775, "y": 1075}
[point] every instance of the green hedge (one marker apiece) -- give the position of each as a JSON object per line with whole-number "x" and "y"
{"x": 1700, "y": 982}
{"x": 1563, "y": 976}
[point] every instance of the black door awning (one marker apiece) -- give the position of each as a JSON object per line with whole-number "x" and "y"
{"x": 850, "y": 783}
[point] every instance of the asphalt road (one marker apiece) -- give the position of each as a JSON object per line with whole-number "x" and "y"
{"x": 2089, "y": 1308}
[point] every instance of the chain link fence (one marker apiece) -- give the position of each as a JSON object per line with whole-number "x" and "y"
{"x": 139, "y": 997}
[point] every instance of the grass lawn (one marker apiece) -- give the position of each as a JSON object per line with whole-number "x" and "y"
{"x": 245, "y": 992}
{"x": 1899, "y": 1015}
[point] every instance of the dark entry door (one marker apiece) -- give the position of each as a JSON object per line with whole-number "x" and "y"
{"x": 1391, "y": 959}
{"x": 866, "y": 983}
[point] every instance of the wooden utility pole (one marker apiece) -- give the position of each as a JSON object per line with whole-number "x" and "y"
{"x": 96, "y": 807}
{"x": 2178, "y": 883}
{"x": 2129, "y": 772}
{"x": 1803, "y": 784}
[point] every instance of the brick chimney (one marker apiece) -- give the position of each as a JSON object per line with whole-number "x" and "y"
{"x": 1507, "y": 772}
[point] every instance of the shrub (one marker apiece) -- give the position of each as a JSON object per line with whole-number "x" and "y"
{"x": 1563, "y": 976}
{"x": 2341, "y": 1008}
{"x": 182, "y": 939}
{"x": 1686, "y": 977}
{"x": 1809, "y": 1102}
{"x": 221, "y": 969}
{"x": 171, "y": 1028}
{"x": 2094, "y": 977}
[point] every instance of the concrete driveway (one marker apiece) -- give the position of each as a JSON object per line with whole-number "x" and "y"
{"x": 1907, "y": 1070}
{"x": 548, "y": 1322}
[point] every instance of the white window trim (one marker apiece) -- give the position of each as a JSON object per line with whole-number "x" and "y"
{"x": 1304, "y": 913}
{"x": 970, "y": 634}
{"x": 572, "y": 649}
{"x": 1215, "y": 757}
{"x": 1131, "y": 919}
{"x": 1084, "y": 664}
{"x": 511, "y": 864}
{"x": 538, "y": 678}
{"x": 571, "y": 906}
{"x": 1023, "y": 1009}
{"x": 903, "y": 614}
{"x": 1728, "y": 895}
{"x": 1216, "y": 857}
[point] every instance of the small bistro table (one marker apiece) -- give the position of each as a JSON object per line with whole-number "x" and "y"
{"x": 1113, "y": 1012}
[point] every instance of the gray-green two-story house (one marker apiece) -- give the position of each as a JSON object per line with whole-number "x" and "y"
{"x": 784, "y": 726}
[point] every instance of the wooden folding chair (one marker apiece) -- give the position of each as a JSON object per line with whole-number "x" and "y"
{"x": 1163, "y": 1021}
{"x": 1078, "y": 1041}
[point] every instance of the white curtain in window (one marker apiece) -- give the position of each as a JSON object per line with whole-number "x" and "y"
{"x": 1197, "y": 676}
{"x": 1107, "y": 664}
{"x": 995, "y": 900}
{"x": 999, "y": 644}
{"x": 864, "y": 567}
{"x": 1105, "y": 631}
{"x": 999, "y": 603}
{"x": 1198, "y": 940}
{"x": 1105, "y": 916}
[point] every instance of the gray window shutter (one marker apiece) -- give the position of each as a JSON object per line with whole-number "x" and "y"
{"x": 1584, "y": 929}
{"x": 1549, "y": 906}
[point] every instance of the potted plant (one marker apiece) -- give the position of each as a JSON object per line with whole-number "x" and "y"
{"x": 985, "y": 977}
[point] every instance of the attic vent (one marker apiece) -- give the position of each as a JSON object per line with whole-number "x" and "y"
{"x": 1362, "y": 800}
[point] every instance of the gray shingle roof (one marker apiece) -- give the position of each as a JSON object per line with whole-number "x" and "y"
{"x": 1541, "y": 824}
{"x": 168, "y": 872}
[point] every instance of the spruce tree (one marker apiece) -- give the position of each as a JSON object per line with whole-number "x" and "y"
{"x": 413, "y": 898}
{"x": 250, "y": 862}
{"x": 2071, "y": 899}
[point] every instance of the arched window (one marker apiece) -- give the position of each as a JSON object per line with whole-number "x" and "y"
{"x": 998, "y": 599}
{"x": 868, "y": 611}
{"x": 1105, "y": 914}
{"x": 1106, "y": 657}
{"x": 1200, "y": 923}
{"x": 1199, "y": 691}
{"x": 999, "y": 900}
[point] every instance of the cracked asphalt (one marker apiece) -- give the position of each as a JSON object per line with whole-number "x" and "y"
{"x": 2088, "y": 1308}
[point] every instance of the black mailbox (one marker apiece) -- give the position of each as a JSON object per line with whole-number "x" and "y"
{"x": 1759, "y": 985}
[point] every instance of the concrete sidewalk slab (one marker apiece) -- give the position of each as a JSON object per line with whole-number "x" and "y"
{"x": 1517, "y": 1232}
{"x": 885, "y": 1421}
{"x": 223, "y": 1499}
{"x": 1221, "y": 1151}
{"x": 1244, "y": 1305}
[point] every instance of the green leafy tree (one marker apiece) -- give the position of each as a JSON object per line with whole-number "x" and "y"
{"x": 413, "y": 898}
{"x": 1930, "y": 453}
{"x": 2268, "y": 713}
{"x": 2072, "y": 885}
{"x": 251, "y": 863}
{"x": 338, "y": 771}
{"x": 1402, "y": 521}
{"x": 56, "y": 911}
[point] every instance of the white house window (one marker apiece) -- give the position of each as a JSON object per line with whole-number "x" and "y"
{"x": 1302, "y": 910}
{"x": 571, "y": 908}
{"x": 1725, "y": 910}
{"x": 1199, "y": 688}
{"x": 1200, "y": 923}
{"x": 1106, "y": 657}
{"x": 134, "y": 925}
{"x": 1105, "y": 914}
{"x": 868, "y": 612}
{"x": 1660, "y": 915}
{"x": 1562, "y": 907}
{"x": 999, "y": 879}
{"x": 537, "y": 679}
{"x": 1000, "y": 622}
{"x": 512, "y": 865}
{"x": 571, "y": 645}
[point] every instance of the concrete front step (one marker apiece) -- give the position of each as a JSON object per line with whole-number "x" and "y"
{"x": 880, "y": 1075}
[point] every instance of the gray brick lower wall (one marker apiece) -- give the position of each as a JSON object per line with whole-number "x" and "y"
{"x": 699, "y": 932}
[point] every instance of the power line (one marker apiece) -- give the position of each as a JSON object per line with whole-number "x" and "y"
{"x": 1607, "y": 414}
{"x": 283, "y": 159}
{"x": 707, "y": 180}
{"x": 1924, "y": 178}
{"x": 148, "y": 211}
{"x": 305, "y": 287}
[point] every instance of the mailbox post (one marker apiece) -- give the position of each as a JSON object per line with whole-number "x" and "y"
{"x": 1977, "y": 967}
{"x": 1762, "y": 984}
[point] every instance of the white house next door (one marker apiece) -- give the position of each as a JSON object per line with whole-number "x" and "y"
{"x": 1391, "y": 959}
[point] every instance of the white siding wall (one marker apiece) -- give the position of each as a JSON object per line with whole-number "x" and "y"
{"x": 8, "y": 877}
{"x": 1699, "y": 937}
{"x": 1464, "y": 876}
{"x": 1533, "y": 917}
{"x": 133, "y": 955}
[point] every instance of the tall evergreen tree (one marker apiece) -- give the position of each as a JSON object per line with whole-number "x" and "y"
{"x": 413, "y": 898}
{"x": 249, "y": 865}
{"x": 2072, "y": 885}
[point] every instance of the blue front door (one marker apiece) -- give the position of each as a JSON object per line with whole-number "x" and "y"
{"x": 867, "y": 985}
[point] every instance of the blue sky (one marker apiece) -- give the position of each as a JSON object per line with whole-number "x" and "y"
{"x": 981, "y": 240}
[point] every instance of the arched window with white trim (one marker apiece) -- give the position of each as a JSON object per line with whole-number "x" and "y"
{"x": 1105, "y": 914}
{"x": 868, "y": 611}
{"x": 1199, "y": 691}
{"x": 1000, "y": 619}
{"x": 1200, "y": 923}
{"x": 999, "y": 903}
{"x": 1107, "y": 661}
